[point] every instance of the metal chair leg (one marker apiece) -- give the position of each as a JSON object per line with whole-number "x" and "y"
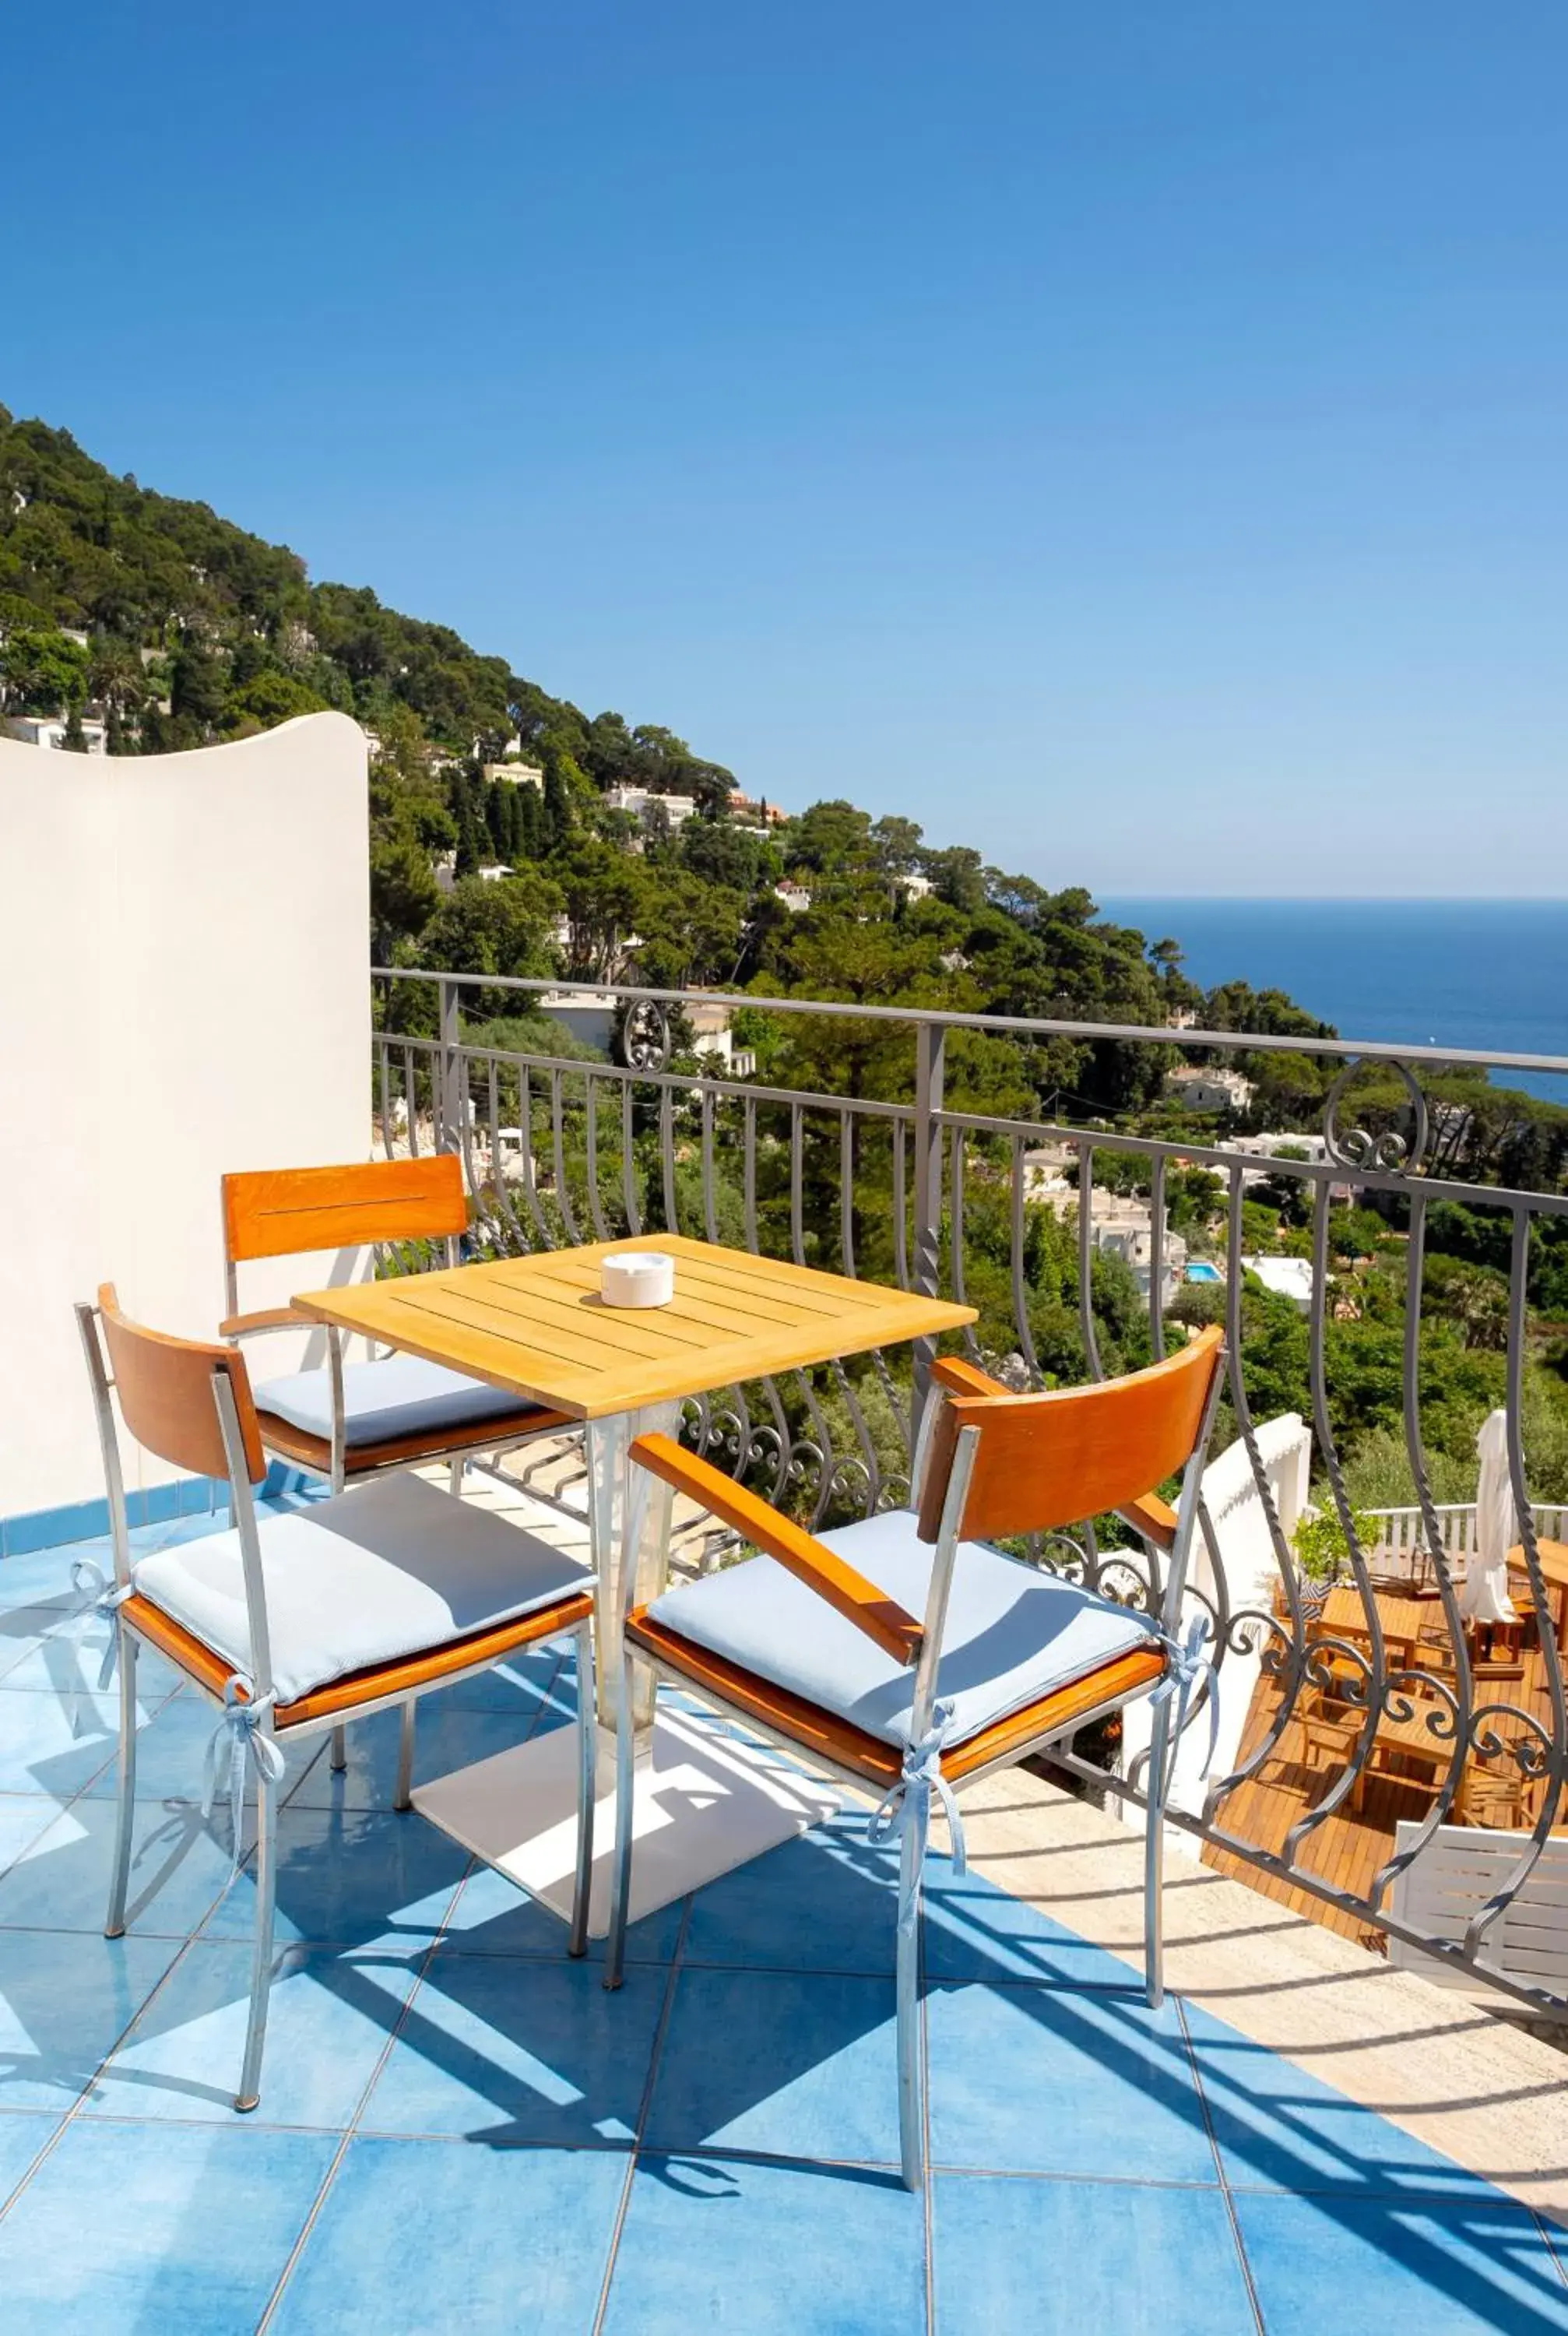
{"x": 249, "y": 2091}
{"x": 454, "y": 1478}
{"x": 911, "y": 2088}
{"x": 587, "y": 1785}
{"x": 339, "y": 1753}
{"x": 402, "y": 1798}
{"x": 1154, "y": 1861}
{"x": 120, "y": 1872}
{"x": 620, "y": 1892}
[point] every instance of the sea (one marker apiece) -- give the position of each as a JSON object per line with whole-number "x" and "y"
{"x": 1486, "y": 974}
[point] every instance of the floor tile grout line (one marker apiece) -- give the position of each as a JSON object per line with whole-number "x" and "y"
{"x": 349, "y": 2130}
{"x": 158, "y": 1988}
{"x": 1553, "y": 2233}
{"x": 295, "y": 2254}
{"x": 927, "y": 2185}
{"x": 727, "y": 2153}
{"x": 77, "y": 2105}
{"x": 645, "y": 2111}
{"x": 63, "y": 1808}
{"x": 1232, "y": 2215}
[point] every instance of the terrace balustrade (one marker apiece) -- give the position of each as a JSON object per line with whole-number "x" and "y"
{"x": 557, "y": 1150}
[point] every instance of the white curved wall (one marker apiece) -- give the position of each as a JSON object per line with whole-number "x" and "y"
{"x": 185, "y": 987}
{"x": 1252, "y": 1572}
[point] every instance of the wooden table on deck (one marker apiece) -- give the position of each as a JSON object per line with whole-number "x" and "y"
{"x": 537, "y": 1327}
{"x": 1344, "y": 1616}
{"x": 1413, "y": 1739}
{"x": 1553, "y": 1557}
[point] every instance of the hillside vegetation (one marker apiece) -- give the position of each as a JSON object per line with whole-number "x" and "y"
{"x": 173, "y": 627}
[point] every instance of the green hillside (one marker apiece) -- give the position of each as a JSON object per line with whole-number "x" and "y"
{"x": 195, "y": 631}
{"x": 169, "y": 628}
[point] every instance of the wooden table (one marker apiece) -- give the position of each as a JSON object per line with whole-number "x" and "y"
{"x": 1344, "y": 1616}
{"x": 537, "y": 1328}
{"x": 1553, "y": 1557}
{"x": 1413, "y": 1739}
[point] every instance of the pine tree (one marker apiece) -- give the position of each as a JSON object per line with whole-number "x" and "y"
{"x": 495, "y": 819}
{"x": 556, "y": 824}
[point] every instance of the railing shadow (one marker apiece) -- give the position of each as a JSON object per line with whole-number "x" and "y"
{"x": 798, "y": 1950}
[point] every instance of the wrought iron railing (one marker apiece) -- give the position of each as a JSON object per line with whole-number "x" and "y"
{"x": 910, "y": 1187}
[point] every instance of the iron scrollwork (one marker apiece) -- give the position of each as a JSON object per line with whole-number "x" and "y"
{"x": 645, "y": 1039}
{"x": 1358, "y": 1147}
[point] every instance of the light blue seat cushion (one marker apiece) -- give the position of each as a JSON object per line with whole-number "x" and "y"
{"x": 394, "y": 1567}
{"x": 383, "y": 1401}
{"x": 1012, "y": 1634}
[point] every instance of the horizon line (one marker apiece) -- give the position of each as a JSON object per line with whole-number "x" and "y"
{"x": 1346, "y": 900}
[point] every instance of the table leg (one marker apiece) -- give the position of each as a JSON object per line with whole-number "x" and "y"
{"x": 704, "y": 1803}
{"x": 628, "y": 1535}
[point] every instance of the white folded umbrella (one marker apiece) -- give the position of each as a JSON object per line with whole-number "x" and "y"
{"x": 1484, "y": 1595}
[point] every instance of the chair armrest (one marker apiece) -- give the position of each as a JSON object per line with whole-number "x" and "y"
{"x": 1151, "y": 1517}
{"x": 871, "y": 1610}
{"x": 271, "y": 1318}
{"x": 961, "y": 1378}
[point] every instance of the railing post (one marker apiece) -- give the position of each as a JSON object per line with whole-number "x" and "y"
{"x": 931, "y": 1070}
{"x": 448, "y": 1098}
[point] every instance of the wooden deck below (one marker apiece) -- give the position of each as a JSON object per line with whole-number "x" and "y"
{"x": 1348, "y": 1849}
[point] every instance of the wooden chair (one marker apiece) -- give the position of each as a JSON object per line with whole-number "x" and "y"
{"x": 1496, "y": 1796}
{"x": 1327, "y": 1734}
{"x": 292, "y": 1623}
{"x": 351, "y": 1420}
{"x": 906, "y": 1657}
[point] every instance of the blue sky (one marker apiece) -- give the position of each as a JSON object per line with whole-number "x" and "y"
{"x": 1128, "y": 439}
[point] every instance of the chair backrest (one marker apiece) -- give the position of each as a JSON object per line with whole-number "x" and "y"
{"x": 166, "y": 1394}
{"x": 288, "y": 1211}
{"x": 1044, "y": 1460}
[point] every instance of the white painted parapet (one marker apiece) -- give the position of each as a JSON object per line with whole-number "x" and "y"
{"x": 184, "y": 989}
{"x": 1251, "y": 1574}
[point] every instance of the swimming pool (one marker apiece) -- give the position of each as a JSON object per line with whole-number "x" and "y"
{"x": 1203, "y": 1272}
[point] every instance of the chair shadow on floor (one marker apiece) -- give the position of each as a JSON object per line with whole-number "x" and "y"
{"x": 757, "y": 2020}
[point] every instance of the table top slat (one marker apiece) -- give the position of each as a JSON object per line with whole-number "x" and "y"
{"x": 645, "y": 1332}
{"x": 734, "y": 1312}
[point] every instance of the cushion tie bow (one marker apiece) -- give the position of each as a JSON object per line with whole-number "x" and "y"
{"x": 241, "y": 1728}
{"x": 100, "y": 1599}
{"x": 1187, "y": 1668}
{"x": 908, "y": 1808}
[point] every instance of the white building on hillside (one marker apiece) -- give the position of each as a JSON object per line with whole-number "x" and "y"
{"x": 646, "y": 804}
{"x": 915, "y": 886}
{"x": 1287, "y": 1277}
{"x": 1122, "y": 1225}
{"x": 1201, "y": 1088}
{"x": 444, "y": 865}
{"x": 1045, "y": 1167}
{"x": 713, "y": 1038}
{"x": 793, "y": 896}
{"x": 1266, "y": 1149}
{"x": 589, "y": 1015}
{"x": 516, "y": 774}
{"x": 1125, "y": 1228}
{"x": 49, "y": 730}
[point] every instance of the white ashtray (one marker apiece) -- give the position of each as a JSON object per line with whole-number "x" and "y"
{"x": 636, "y": 1277}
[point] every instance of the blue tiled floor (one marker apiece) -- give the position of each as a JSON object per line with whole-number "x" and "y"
{"x": 460, "y": 2129}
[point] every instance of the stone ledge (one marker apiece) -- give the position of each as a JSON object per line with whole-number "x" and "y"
{"x": 1485, "y": 2091}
